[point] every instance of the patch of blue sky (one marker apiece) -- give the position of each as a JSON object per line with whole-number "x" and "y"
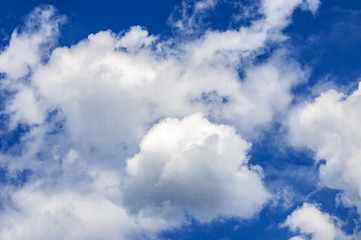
{"x": 10, "y": 140}
{"x": 329, "y": 42}
{"x": 18, "y": 179}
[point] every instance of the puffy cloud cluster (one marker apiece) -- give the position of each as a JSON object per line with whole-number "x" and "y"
{"x": 330, "y": 127}
{"x": 310, "y": 221}
{"x": 130, "y": 135}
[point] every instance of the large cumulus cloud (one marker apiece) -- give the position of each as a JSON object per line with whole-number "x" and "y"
{"x": 195, "y": 167}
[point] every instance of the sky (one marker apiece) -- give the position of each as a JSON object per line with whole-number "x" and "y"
{"x": 180, "y": 119}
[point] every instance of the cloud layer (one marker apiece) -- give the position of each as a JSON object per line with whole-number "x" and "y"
{"x": 127, "y": 135}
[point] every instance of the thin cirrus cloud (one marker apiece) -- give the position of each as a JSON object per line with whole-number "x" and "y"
{"x": 130, "y": 135}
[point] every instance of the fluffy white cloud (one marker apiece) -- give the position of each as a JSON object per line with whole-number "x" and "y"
{"x": 330, "y": 127}
{"x": 310, "y": 221}
{"x": 193, "y": 167}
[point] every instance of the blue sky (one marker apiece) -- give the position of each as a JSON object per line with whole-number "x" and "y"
{"x": 208, "y": 119}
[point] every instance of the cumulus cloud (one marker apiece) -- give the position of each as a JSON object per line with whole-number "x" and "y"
{"x": 330, "y": 127}
{"x": 195, "y": 167}
{"x": 137, "y": 129}
{"x": 310, "y": 221}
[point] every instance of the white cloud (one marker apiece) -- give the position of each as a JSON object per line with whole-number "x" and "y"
{"x": 298, "y": 238}
{"x": 26, "y": 48}
{"x": 330, "y": 127}
{"x": 195, "y": 167}
{"x": 38, "y": 213}
{"x": 135, "y": 39}
{"x": 191, "y": 15}
{"x": 310, "y": 221}
{"x": 25, "y": 109}
{"x": 277, "y": 12}
{"x": 311, "y": 5}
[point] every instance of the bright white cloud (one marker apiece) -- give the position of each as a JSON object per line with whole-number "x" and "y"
{"x": 310, "y": 221}
{"x": 330, "y": 127}
{"x": 195, "y": 167}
